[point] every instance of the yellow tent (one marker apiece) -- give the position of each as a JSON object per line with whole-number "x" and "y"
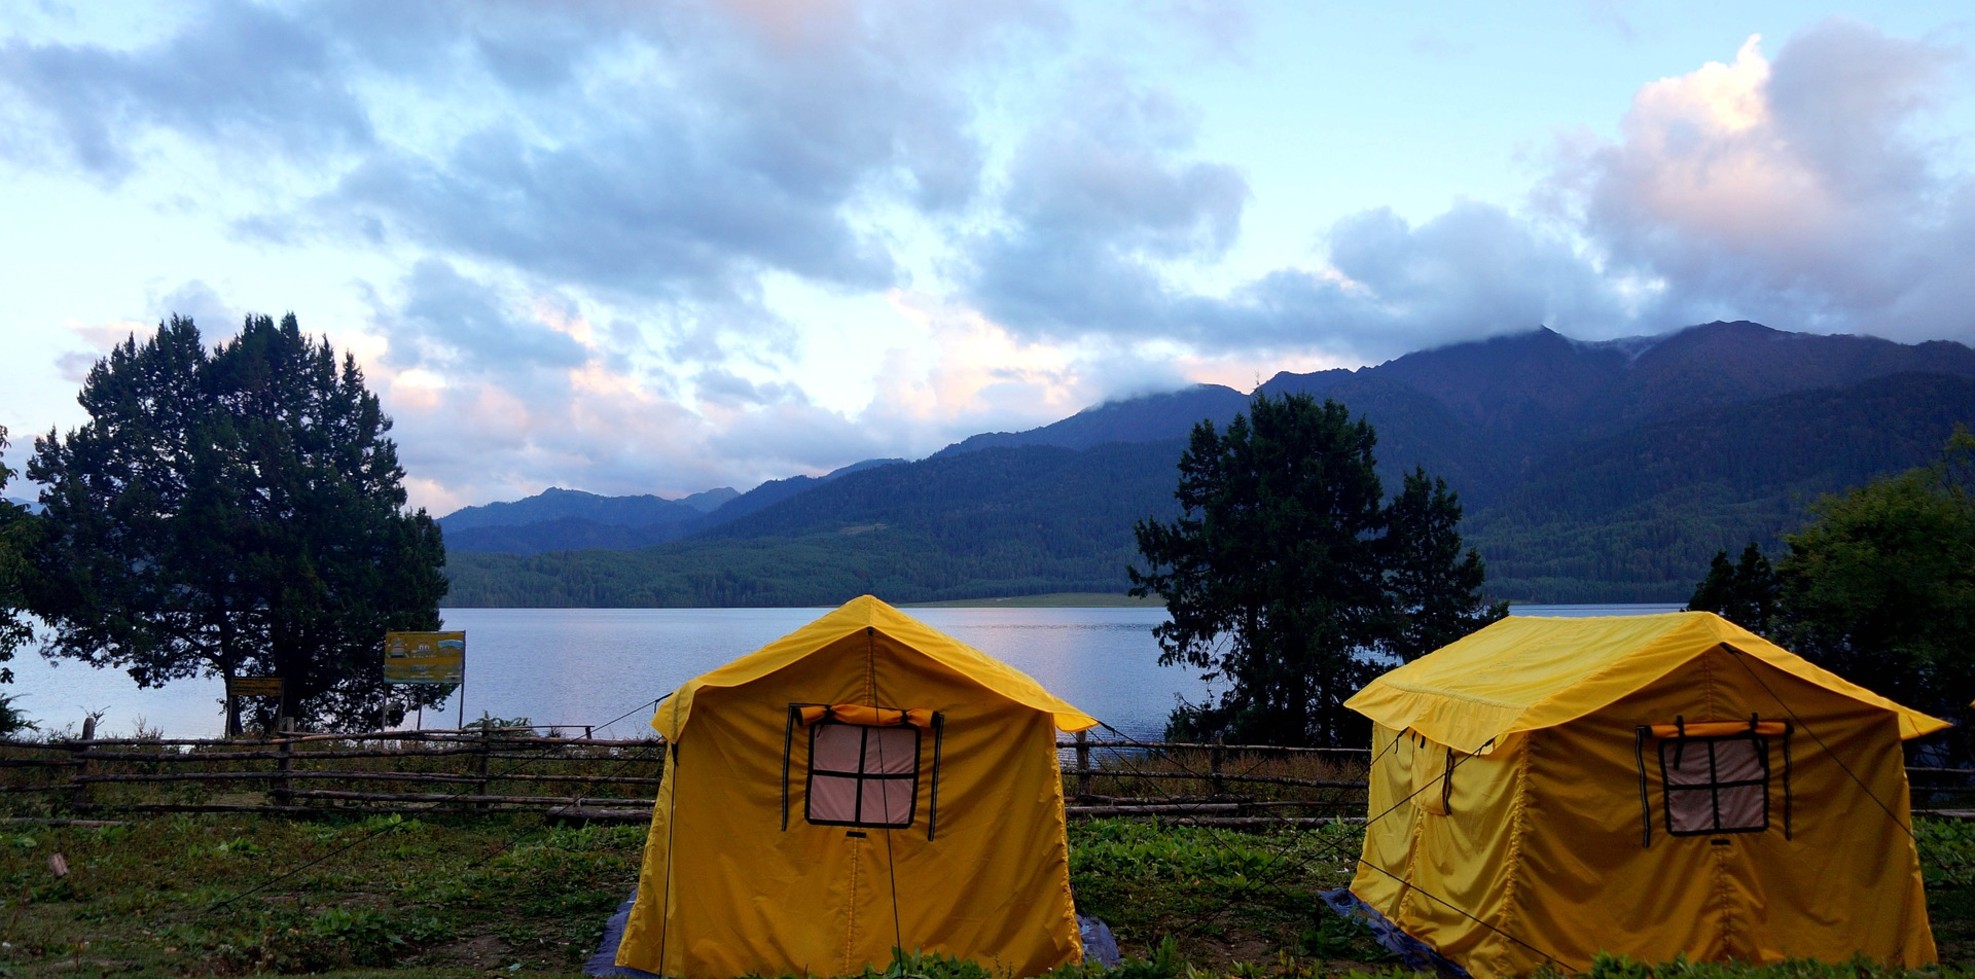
{"x": 1653, "y": 785}
{"x": 862, "y": 783}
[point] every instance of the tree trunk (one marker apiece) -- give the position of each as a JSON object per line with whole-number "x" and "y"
{"x": 232, "y": 705}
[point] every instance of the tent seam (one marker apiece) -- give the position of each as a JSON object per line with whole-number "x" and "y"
{"x": 1512, "y": 880}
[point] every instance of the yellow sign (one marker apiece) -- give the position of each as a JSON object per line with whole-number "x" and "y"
{"x": 424, "y": 657}
{"x": 253, "y": 686}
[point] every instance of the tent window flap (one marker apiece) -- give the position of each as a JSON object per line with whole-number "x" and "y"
{"x": 861, "y": 775}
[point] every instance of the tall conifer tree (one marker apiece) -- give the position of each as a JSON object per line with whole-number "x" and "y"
{"x": 233, "y": 513}
{"x": 17, "y": 529}
{"x": 1287, "y": 574}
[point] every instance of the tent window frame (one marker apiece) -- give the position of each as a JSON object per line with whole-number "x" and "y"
{"x": 1674, "y": 745}
{"x": 810, "y": 716}
{"x": 1723, "y": 794}
{"x": 869, "y": 768}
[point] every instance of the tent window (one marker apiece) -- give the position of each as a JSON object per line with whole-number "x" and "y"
{"x": 862, "y": 776}
{"x": 1715, "y": 784}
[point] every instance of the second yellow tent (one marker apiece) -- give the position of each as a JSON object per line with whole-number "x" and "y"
{"x": 1659, "y": 785}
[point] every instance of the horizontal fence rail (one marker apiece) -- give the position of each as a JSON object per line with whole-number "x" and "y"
{"x": 475, "y": 770}
{"x": 486, "y": 770}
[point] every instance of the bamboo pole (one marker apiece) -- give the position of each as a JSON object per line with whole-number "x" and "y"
{"x": 1200, "y": 805}
{"x": 281, "y": 794}
{"x": 440, "y": 777}
{"x": 1202, "y": 746}
{"x": 1083, "y": 763}
{"x": 486, "y": 742}
{"x": 436, "y": 736}
{"x": 1316, "y": 783}
{"x": 1259, "y": 822}
{"x": 475, "y": 800}
{"x": 80, "y": 797}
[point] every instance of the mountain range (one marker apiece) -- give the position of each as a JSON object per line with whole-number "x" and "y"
{"x": 1590, "y": 471}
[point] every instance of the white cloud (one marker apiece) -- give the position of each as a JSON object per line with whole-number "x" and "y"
{"x": 1794, "y": 191}
{"x": 662, "y": 247}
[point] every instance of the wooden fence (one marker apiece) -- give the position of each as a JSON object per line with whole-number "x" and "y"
{"x": 583, "y": 777}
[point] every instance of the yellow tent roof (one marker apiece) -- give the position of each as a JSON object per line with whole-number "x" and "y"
{"x": 1526, "y": 673}
{"x": 851, "y": 618}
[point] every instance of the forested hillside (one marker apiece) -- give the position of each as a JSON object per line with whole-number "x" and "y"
{"x": 1590, "y": 472}
{"x": 1637, "y": 516}
{"x": 1005, "y": 521}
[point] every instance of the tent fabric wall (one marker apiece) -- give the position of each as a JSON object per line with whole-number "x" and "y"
{"x": 1544, "y": 854}
{"x": 725, "y": 890}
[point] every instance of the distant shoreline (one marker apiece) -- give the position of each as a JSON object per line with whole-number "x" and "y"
{"x": 1056, "y": 600}
{"x": 1110, "y": 600}
{"x": 1052, "y": 600}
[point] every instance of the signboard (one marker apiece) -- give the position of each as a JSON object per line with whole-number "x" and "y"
{"x": 253, "y": 686}
{"x": 424, "y": 657}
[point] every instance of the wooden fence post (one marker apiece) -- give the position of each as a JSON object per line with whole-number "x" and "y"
{"x": 1214, "y": 766}
{"x": 1083, "y": 764}
{"x": 79, "y": 797}
{"x": 284, "y": 787}
{"x": 486, "y": 755}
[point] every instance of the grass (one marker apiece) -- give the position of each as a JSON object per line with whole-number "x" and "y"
{"x": 242, "y": 895}
{"x": 513, "y": 896}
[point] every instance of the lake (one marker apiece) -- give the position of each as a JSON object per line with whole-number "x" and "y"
{"x": 604, "y": 667}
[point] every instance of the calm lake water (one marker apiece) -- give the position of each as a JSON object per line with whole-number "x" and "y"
{"x": 604, "y": 667}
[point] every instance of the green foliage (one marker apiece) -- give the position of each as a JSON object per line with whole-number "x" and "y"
{"x": 1432, "y": 584}
{"x": 231, "y": 513}
{"x": 1947, "y": 852}
{"x": 457, "y": 898}
{"x": 13, "y": 722}
{"x": 1287, "y": 571}
{"x": 1630, "y": 516}
{"x": 361, "y": 936}
{"x": 1200, "y": 887}
{"x": 18, "y": 530}
{"x": 1745, "y": 592}
{"x": 1878, "y": 587}
{"x": 490, "y": 723}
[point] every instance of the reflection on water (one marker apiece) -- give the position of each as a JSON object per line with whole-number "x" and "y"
{"x": 604, "y": 667}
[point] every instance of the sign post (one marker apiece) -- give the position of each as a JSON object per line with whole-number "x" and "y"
{"x": 253, "y": 686}
{"x": 427, "y": 657}
{"x": 238, "y": 687}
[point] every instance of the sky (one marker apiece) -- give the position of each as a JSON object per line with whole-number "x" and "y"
{"x": 662, "y": 247}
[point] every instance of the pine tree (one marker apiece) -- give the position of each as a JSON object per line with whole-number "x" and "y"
{"x": 236, "y": 513}
{"x": 1745, "y": 593}
{"x": 1431, "y": 580}
{"x": 1286, "y": 572}
{"x": 17, "y": 530}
